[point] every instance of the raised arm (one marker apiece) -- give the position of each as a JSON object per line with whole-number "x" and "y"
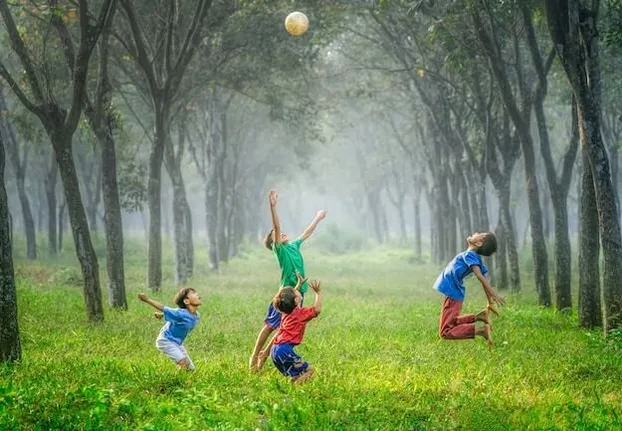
{"x": 276, "y": 225}
{"x": 311, "y": 228}
{"x": 490, "y": 293}
{"x": 155, "y": 304}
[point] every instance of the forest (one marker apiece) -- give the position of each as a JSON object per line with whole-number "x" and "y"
{"x": 139, "y": 143}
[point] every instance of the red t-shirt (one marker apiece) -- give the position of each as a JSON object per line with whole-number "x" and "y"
{"x": 292, "y": 327}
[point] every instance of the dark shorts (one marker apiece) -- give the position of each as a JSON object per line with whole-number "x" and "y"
{"x": 287, "y": 360}
{"x": 273, "y": 316}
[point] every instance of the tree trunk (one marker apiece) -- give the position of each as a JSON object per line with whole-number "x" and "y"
{"x": 61, "y": 225}
{"x": 501, "y": 258}
{"x": 50, "y": 193}
{"x": 211, "y": 221}
{"x": 154, "y": 198}
{"x": 19, "y": 167}
{"x": 223, "y": 234}
{"x": 590, "y": 314}
{"x": 10, "y": 349}
{"x": 509, "y": 235}
{"x": 182, "y": 221}
{"x": 113, "y": 224}
{"x": 95, "y": 198}
{"x": 417, "y": 222}
{"x": 538, "y": 243}
{"x": 80, "y": 228}
{"x": 610, "y": 236}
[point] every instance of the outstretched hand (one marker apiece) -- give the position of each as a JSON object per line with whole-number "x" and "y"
{"x": 301, "y": 280}
{"x": 315, "y": 285}
{"x": 143, "y": 296}
{"x": 321, "y": 215}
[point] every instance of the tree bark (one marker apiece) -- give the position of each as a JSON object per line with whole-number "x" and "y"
{"x": 80, "y": 228}
{"x": 590, "y": 314}
{"x": 154, "y": 197}
{"x": 182, "y": 219}
{"x": 50, "y": 194}
{"x": 10, "y": 348}
{"x": 417, "y": 220}
{"x": 19, "y": 167}
{"x": 573, "y": 28}
{"x": 61, "y": 225}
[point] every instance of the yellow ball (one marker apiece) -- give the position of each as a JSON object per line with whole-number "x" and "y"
{"x": 296, "y": 23}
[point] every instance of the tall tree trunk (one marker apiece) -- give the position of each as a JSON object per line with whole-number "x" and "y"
{"x": 101, "y": 117}
{"x": 10, "y": 349}
{"x": 61, "y": 225}
{"x": 223, "y": 234}
{"x": 19, "y": 167}
{"x": 574, "y": 32}
{"x": 95, "y": 198}
{"x": 182, "y": 221}
{"x": 50, "y": 194}
{"x": 154, "y": 197}
{"x": 501, "y": 256}
{"x": 211, "y": 221}
{"x": 417, "y": 222}
{"x": 80, "y": 228}
{"x": 590, "y": 314}
{"x": 113, "y": 224}
{"x": 609, "y": 224}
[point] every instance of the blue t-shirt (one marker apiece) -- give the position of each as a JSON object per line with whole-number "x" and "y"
{"x": 451, "y": 281}
{"x": 179, "y": 323}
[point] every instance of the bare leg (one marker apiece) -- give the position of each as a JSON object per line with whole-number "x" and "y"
{"x": 485, "y": 332}
{"x": 484, "y": 316}
{"x": 261, "y": 340}
{"x": 265, "y": 354}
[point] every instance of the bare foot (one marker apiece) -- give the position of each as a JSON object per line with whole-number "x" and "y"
{"x": 487, "y": 334}
{"x": 252, "y": 364}
{"x": 484, "y": 316}
{"x": 302, "y": 378}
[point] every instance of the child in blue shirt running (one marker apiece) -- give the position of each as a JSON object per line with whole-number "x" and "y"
{"x": 179, "y": 322}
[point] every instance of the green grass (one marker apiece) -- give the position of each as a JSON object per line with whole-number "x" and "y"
{"x": 380, "y": 364}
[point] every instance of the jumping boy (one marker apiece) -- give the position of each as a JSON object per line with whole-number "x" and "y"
{"x": 450, "y": 283}
{"x": 292, "y": 329}
{"x": 179, "y": 322}
{"x": 291, "y": 262}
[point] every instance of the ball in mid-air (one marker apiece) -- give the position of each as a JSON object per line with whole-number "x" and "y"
{"x": 296, "y": 23}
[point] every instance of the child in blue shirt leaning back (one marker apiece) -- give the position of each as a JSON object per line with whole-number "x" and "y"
{"x": 453, "y": 325}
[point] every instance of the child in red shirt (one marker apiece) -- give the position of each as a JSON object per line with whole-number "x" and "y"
{"x": 292, "y": 329}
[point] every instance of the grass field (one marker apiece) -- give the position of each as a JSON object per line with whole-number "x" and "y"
{"x": 380, "y": 364}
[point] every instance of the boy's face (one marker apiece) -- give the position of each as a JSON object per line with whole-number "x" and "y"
{"x": 193, "y": 298}
{"x": 477, "y": 239}
{"x": 284, "y": 237}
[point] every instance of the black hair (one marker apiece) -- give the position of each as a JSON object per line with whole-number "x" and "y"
{"x": 269, "y": 240}
{"x": 489, "y": 245}
{"x": 181, "y": 295}
{"x": 285, "y": 300}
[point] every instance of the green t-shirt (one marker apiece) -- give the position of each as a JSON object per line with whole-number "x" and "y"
{"x": 290, "y": 261}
